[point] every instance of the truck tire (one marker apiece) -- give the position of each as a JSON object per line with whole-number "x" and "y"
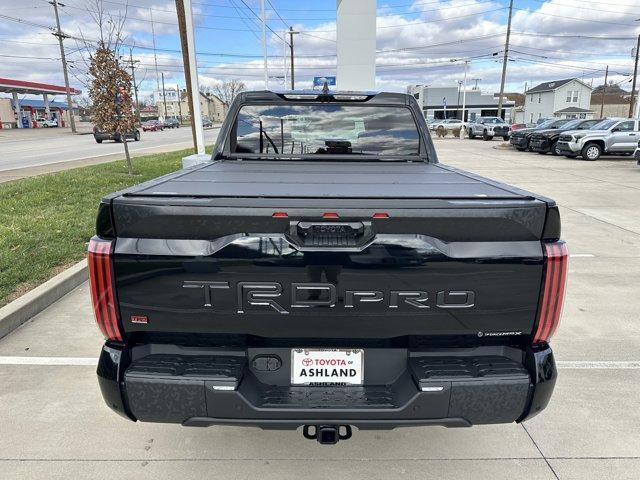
{"x": 486, "y": 137}
{"x": 554, "y": 149}
{"x": 591, "y": 152}
{"x": 505, "y": 138}
{"x": 471, "y": 134}
{"x": 98, "y": 140}
{"x": 136, "y": 136}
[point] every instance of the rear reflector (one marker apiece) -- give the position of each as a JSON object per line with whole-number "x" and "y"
{"x": 330, "y": 215}
{"x": 102, "y": 288}
{"x": 380, "y": 215}
{"x": 280, "y": 215}
{"x": 555, "y": 276}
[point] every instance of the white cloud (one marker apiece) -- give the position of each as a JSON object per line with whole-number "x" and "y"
{"x": 443, "y": 30}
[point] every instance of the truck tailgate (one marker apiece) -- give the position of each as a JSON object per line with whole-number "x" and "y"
{"x": 439, "y": 255}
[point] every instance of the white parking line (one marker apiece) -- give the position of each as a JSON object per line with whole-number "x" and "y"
{"x": 80, "y": 361}
{"x": 48, "y": 361}
{"x": 585, "y": 255}
{"x": 598, "y": 365}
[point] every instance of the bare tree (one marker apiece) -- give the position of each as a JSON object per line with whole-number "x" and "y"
{"x": 228, "y": 90}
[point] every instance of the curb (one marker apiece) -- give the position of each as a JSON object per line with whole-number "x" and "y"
{"x": 30, "y": 304}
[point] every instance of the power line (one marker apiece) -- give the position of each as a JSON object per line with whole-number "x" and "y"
{"x": 438, "y": 20}
{"x": 557, "y": 35}
{"x": 533, "y": 12}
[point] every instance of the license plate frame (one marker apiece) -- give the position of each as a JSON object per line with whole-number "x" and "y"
{"x": 348, "y": 363}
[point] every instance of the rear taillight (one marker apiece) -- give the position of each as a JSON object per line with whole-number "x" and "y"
{"x": 555, "y": 276}
{"x": 102, "y": 288}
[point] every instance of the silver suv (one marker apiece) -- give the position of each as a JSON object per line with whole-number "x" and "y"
{"x": 610, "y": 136}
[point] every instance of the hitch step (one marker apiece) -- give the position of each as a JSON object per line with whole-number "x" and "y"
{"x": 327, "y": 434}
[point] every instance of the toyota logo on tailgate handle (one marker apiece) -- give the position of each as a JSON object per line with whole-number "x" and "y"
{"x": 330, "y": 236}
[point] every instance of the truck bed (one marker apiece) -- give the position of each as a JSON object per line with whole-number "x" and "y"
{"x": 321, "y": 179}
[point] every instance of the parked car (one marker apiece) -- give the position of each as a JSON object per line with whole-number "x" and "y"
{"x": 545, "y": 141}
{"x": 101, "y": 135}
{"x": 206, "y": 122}
{"x": 517, "y": 126}
{"x": 520, "y": 138}
{"x": 46, "y": 123}
{"x": 318, "y": 321}
{"x": 447, "y": 124}
{"x": 152, "y": 126}
{"x": 610, "y": 136}
{"x": 488, "y": 127}
{"x": 172, "y": 123}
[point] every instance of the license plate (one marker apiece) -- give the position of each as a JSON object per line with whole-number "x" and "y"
{"x": 326, "y": 366}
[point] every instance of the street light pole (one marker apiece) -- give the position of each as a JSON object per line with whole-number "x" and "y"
{"x": 194, "y": 90}
{"x": 464, "y": 91}
{"x": 61, "y": 36}
{"x": 464, "y": 97}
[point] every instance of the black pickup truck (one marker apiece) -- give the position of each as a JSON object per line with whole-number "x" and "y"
{"x": 324, "y": 271}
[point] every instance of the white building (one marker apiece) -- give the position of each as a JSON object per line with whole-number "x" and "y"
{"x": 446, "y": 102}
{"x": 569, "y": 98}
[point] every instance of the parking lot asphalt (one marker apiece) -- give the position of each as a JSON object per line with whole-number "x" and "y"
{"x": 55, "y": 424}
{"x": 28, "y": 152}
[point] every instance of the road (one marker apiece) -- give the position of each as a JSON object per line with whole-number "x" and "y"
{"x": 55, "y": 424}
{"x": 39, "y": 151}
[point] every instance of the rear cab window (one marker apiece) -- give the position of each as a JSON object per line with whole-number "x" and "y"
{"x": 309, "y": 130}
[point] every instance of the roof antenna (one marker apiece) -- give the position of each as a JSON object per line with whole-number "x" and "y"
{"x": 325, "y": 88}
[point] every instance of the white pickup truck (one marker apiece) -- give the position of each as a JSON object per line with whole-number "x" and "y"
{"x": 488, "y": 127}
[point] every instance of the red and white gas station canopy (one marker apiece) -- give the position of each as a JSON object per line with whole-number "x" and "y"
{"x": 8, "y": 85}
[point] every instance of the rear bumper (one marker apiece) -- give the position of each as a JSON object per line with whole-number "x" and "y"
{"x": 224, "y": 387}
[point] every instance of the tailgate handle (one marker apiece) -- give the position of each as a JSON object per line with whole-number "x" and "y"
{"x": 330, "y": 236}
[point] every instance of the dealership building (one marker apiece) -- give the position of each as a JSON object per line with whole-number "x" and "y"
{"x": 446, "y": 102}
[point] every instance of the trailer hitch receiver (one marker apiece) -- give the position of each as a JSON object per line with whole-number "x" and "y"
{"x": 327, "y": 434}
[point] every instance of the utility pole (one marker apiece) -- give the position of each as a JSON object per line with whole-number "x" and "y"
{"x": 291, "y": 34}
{"x": 264, "y": 44}
{"x": 132, "y": 63}
{"x": 155, "y": 55}
{"x": 604, "y": 89}
{"x": 505, "y": 59}
{"x": 164, "y": 97}
{"x": 179, "y": 101}
{"x": 635, "y": 74}
{"x": 182, "y": 27}
{"x": 61, "y": 36}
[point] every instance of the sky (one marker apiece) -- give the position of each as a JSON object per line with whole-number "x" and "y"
{"x": 551, "y": 40}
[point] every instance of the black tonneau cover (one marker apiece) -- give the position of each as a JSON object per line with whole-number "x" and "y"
{"x": 326, "y": 179}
